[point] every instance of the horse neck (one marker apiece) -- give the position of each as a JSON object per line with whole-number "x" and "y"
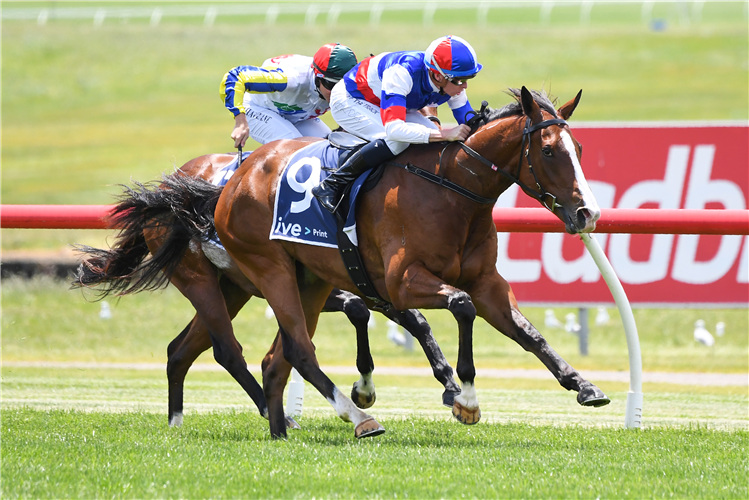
{"x": 499, "y": 142}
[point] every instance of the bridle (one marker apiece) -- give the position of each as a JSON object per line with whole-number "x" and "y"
{"x": 546, "y": 199}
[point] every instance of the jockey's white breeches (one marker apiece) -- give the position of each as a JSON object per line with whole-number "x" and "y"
{"x": 363, "y": 119}
{"x": 267, "y": 125}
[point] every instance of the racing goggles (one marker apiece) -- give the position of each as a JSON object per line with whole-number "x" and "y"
{"x": 328, "y": 83}
{"x": 458, "y": 81}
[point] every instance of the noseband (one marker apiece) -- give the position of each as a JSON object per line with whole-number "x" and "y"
{"x": 547, "y": 199}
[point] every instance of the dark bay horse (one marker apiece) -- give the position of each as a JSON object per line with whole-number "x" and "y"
{"x": 424, "y": 246}
{"x": 217, "y": 289}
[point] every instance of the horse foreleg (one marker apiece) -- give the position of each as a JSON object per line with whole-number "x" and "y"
{"x": 363, "y": 390}
{"x": 416, "y": 324}
{"x": 466, "y": 405}
{"x": 496, "y": 303}
{"x": 418, "y": 287}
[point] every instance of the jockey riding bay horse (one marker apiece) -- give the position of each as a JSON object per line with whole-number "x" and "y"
{"x": 424, "y": 246}
{"x": 218, "y": 290}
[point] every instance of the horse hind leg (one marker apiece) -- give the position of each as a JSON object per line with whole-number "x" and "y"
{"x": 363, "y": 391}
{"x": 276, "y": 350}
{"x": 194, "y": 340}
{"x": 416, "y": 324}
{"x": 181, "y": 354}
{"x": 297, "y": 322}
{"x": 216, "y": 303}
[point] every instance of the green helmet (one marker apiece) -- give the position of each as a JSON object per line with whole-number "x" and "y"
{"x": 333, "y": 61}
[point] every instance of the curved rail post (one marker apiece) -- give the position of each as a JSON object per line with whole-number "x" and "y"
{"x": 633, "y": 412}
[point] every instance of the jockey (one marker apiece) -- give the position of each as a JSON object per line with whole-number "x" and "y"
{"x": 284, "y": 97}
{"x": 379, "y": 100}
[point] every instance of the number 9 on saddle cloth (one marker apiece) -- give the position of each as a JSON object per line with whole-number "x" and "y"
{"x": 296, "y": 216}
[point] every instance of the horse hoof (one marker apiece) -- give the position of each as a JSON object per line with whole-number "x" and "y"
{"x": 291, "y": 423}
{"x": 448, "y": 398}
{"x": 278, "y": 435}
{"x": 363, "y": 401}
{"x": 466, "y": 415}
{"x": 368, "y": 428}
{"x": 592, "y": 396}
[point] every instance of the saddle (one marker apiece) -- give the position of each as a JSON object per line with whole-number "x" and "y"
{"x": 348, "y": 143}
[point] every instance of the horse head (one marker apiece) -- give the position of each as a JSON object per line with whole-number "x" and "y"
{"x": 553, "y": 163}
{"x": 531, "y": 143}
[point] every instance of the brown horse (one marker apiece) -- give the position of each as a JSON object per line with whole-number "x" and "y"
{"x": 207, "y": 277}
{"x": 424, "y": 246}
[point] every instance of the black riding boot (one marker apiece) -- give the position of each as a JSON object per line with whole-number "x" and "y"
{"x": 328, "y": 192}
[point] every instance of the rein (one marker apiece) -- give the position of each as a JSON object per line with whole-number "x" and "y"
{"x": 547, "y": 199}
{"x": 439, "y": 180}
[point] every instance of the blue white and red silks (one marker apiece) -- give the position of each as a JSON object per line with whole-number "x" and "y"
{"x": 399, "y": 81}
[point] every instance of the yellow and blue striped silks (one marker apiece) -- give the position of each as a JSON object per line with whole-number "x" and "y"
{"x": 253, "y": 79}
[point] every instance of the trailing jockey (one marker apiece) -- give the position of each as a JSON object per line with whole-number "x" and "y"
{"x": 283, "y": 98}
{"x": 380, "y": 98}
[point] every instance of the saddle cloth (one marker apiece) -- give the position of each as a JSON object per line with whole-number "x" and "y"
{"x": 297, "y": 215}
{"x": 220, "y": 178}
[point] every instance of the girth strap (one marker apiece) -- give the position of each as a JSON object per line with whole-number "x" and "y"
{"x": 355, "y": 268}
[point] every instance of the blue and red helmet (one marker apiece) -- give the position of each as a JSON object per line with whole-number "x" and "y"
{"x": 452, "y": 57}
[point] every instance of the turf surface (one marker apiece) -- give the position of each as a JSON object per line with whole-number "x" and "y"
{"x": 60, "y": 454}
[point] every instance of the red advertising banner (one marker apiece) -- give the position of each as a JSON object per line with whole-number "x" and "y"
{"x": 693, "y": 166}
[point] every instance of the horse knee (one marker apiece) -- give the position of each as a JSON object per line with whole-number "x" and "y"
{"x": 356, "y": 310}
{"x": 174, "y": 368}
{"x": 461, "y": 306}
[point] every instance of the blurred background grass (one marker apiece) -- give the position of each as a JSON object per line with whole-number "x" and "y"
{"x": 87, "y": 107}
{"x": 43, "y": 320}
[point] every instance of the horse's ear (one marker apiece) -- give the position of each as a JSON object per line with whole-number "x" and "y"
{"x": 530, "y": 107}
{"x": 566, "y": 110}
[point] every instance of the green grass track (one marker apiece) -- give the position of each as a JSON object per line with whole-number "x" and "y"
{"x": 75, "y": 454}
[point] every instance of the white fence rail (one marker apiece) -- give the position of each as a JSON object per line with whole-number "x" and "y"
{"x": 688, "y": 12}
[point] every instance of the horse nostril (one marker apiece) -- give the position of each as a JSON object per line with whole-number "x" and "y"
{"x": 583, "y": 214}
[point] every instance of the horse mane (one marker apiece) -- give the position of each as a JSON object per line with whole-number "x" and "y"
{"x": 543, "y": 100}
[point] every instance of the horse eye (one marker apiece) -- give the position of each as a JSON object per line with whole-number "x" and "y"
{"x": 546, "y": 150}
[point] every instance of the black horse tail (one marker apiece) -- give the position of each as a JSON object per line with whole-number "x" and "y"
{"x": 181, "y": 204}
